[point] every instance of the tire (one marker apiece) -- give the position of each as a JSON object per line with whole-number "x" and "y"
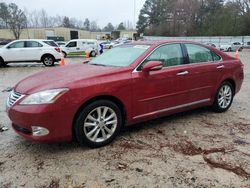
{"x": 2, "y": 63}
{"x": 240, "y": 50}
{"x": 91, "y": 127}
{"x": 224, "y": 97}
{"x": 92, "y": 54}
{"x": 229, "y": 49}
{"x": 48, "y": 60}
{"x": 110, "y": 47}
{"x": 64, "y": 54}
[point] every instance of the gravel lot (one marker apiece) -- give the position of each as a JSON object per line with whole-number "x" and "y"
{"x": 193, "y": 149}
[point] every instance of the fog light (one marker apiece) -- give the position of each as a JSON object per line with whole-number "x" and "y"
{"x": 39, "y": 131}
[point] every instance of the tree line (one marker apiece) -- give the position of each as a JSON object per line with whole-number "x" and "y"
{"x": 16, "y": 19}
{"x": 195, "y": 18}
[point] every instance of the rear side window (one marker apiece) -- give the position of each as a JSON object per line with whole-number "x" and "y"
{"x": 198, "y": 54}
{"x": 32, "y": 44}
{"x": 169, "y": 55}
{"x": 19, "y": 44}
{"x": 71, "y": 44}
{"x": 51, "y": 43}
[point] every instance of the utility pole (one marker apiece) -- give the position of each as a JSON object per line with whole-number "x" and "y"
{"x": 134, "y": 14}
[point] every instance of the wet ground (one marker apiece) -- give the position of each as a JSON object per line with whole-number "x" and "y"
{"x": 198, "y": 148}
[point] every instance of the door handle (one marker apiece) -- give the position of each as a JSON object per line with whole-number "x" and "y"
{"x": 221, "y": 67}
{"x": 183, "y": 73}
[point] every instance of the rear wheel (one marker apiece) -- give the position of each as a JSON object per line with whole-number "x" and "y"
{"x": 98, "y": 124}
{"x": 224, "y": 97}
{"x": 229, "y": 49}
{"x": 48, "y": 60}
{"x": 93, "y": 54}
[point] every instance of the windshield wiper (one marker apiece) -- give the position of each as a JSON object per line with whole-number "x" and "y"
{"x": 98, "y": 64}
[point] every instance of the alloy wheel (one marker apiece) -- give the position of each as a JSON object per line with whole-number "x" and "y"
{"x": 225, "y": 96}
{"x": 100, "y": 124}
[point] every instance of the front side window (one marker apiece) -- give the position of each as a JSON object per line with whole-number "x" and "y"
{"x": 169, "y": 55}
{"x": 198, "y": 54}
{"x": 32, "y": 44}
{"x": 215, "y": 56}
{"x": 19, "y": 44}
{"x": 71, "y": 44}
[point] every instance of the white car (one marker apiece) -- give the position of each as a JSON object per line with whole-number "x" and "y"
{"x": 80, "y": 46}
{"x": 30, "y": 50}
{"x": 231, "y": 47}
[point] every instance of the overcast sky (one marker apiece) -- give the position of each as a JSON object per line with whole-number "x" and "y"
{"x": 101, "y": 11}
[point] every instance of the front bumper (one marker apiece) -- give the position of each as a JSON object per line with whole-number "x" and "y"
{"x": 55, "y": 119}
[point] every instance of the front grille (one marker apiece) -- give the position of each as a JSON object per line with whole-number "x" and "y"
{"x": 13, "y": 98}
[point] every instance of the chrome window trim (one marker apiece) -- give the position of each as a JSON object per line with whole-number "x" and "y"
{"x": 135, "y": 69}
{"x": 172, "y": 108}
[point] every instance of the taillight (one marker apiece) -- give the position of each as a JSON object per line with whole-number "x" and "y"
{"x": 58, "y": 50}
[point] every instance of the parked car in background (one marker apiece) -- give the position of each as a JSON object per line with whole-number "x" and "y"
{"x": 80, "y": 46}
{"x": 126, "y": 85}
{"x": 51, "y": 43}
{"x": 215, "y": 45}
{"x": 31, "y": 50}
{"x": 229, "y": 47}
{"x": 61, "y": 43}
{"x": 109, "y": 44}
{"x": 247, "y": 45}
{"x": 4, "y": 42}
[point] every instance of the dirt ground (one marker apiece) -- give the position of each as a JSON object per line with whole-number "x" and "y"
{"x": 198, "y": 148}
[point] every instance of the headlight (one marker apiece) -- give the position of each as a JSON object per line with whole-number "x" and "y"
{"x": 44, "y": 97}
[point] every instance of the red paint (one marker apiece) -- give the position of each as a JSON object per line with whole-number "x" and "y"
{"x": 144, "y": 94}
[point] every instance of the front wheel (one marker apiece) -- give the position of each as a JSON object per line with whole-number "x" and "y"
{"x": 48, "y": 60}
{"x": 98, "y": 124}
{"x": 2, "y": 63}
{"x": 64, "y": 54}
{"x": 224, "y": 97}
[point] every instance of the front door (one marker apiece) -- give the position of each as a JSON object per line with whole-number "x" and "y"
{"x": 14, "y": 52}
{"x": 163, "y": 90}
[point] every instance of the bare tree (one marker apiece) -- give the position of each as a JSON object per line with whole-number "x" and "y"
{"x": 44, "y": 19}
{"x": 17, "y": 20}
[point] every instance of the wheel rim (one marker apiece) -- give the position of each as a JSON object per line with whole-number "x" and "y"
{"x": 225, "y": 96}
{"x": 48, "y": 61}
{"x": 100, "y": 124}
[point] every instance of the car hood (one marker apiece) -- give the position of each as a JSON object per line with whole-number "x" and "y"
{"x": 62, "y": 77}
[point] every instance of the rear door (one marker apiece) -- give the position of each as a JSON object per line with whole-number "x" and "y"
{"x": 204, "y": 69}
{"x": 32, "y": 51}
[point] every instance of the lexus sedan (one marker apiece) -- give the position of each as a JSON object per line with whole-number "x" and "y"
{"x": 128, "y": 84}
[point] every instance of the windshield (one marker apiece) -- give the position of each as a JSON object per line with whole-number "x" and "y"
{"x": 121, "y": 56}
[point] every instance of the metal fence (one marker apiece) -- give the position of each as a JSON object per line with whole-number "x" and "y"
{"x": 216, "y": 40}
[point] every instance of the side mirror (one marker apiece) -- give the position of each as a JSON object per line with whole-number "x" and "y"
{"x": 152, "y": 66}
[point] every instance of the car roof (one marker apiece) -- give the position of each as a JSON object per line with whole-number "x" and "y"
{"x": 160, "y": 42}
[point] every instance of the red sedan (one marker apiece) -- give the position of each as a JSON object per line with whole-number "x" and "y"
{"x": 128, "y": 84}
